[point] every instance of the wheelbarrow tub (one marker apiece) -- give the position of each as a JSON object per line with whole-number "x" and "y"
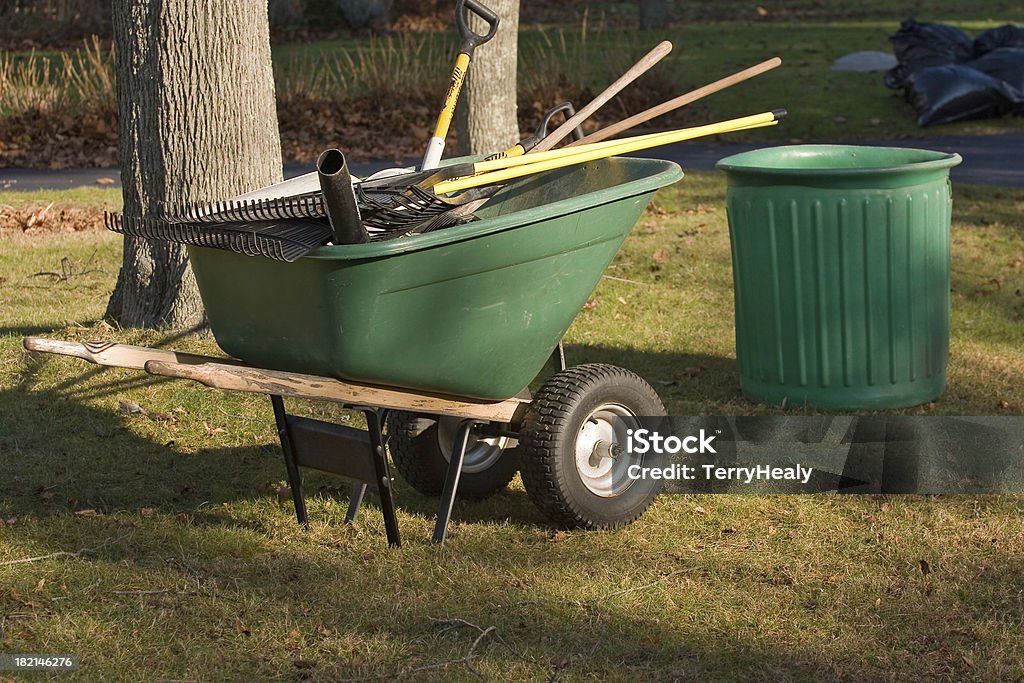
{"x": 472, "y": 311}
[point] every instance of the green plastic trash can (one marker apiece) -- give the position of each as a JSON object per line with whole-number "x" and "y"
{"x": 841, "y": 274}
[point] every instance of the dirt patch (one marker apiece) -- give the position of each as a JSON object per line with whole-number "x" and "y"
{"x": 48, "y": 218}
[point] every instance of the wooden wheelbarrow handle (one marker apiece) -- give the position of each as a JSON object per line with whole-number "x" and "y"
{"x": 638, "y": 69}
{"x": 676, "y": 103}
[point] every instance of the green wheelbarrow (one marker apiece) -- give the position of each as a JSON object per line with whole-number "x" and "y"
{"x": 437, "y": 339}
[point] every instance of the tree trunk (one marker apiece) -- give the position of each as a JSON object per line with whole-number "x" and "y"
{"x": 653, "y": 13}
{"x": 198, "y": 123}
{"x": 486, "y": 117}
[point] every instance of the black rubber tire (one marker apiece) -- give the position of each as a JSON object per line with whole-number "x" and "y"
{"x": 413, "y": 443}
{"x": 547, "y": 445}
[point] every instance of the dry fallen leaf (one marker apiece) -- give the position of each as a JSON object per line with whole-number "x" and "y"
{"x": 558, "y": 536}
{"x": 131, "y": 408}
{"x": 660, "y": 256}
{"x": 147, "y": 512}
{"x": 88, "y": 512}
{"x": 560, "y": 662}
{"x": 104, "y": 181}
{"x": 700, "y": 510}
{"x": 16, "y": 596}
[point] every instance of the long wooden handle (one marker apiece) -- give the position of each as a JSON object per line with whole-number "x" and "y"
{"x": 676, "y": 103}
{"x": 116, "y": 355}
{"x": 291, "y": 384}
{"x": 645, "y": 63}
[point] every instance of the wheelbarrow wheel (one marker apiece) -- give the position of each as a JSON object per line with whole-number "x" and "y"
{"x": 422, "y": 445}
{"x": 569, "y": 467}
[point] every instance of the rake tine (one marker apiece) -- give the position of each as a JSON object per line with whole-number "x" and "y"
{"x": 284, "y": 240}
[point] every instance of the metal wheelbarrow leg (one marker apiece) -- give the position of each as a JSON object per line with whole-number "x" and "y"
{"x": 451, "y": 483}
{"x": 335, "y": 449}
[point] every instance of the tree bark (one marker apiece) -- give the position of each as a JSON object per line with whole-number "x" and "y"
{"x": 653, "y": 13}
{"x": 198, "y": 123}
{"x": 485, "y": 119}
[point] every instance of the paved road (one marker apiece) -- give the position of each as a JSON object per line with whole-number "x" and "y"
{"x": 988, "y": 160}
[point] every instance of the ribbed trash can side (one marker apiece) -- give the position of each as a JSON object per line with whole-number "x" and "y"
{"x": 842, "y": 296}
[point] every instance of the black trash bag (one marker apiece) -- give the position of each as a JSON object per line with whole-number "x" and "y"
{"x": 1003, "y": 63}
{"x": 1008, "y": 35}
{"x": 954, "y": 92}
{"x": 922, "y": 45}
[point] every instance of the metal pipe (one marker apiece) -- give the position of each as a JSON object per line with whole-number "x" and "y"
{"x": 340, "y": 199}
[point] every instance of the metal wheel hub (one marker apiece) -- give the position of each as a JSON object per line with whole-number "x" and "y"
{"x": 598, "y": 450}
{"x": 481, "y": 452}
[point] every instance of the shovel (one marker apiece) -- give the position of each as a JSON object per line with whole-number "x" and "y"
{"x": 469, "y": 43}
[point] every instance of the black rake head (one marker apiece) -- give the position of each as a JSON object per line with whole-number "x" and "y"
{"x": 281, "y": 240}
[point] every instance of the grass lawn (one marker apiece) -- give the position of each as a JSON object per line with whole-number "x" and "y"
{"x": 190, "y": 566}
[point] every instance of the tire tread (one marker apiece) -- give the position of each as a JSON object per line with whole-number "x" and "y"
{"x": 544, "y": 427}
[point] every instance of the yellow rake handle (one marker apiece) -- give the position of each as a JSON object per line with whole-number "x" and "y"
{"x": 500, "y": 170}
{"x": 528, "y": 164}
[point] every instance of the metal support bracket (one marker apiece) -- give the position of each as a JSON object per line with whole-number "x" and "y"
{"x": 355, "y": 454}
{"x": 558, "y": 358}
{"x": 451, "y": 481}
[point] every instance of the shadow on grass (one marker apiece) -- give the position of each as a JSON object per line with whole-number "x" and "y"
{"x": 60, "y": 455}
{"x": 35, "y": 330}
{"x": 676, "y": 376}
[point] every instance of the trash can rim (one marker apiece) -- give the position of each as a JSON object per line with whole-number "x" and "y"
{"x": 745, "y": 162}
